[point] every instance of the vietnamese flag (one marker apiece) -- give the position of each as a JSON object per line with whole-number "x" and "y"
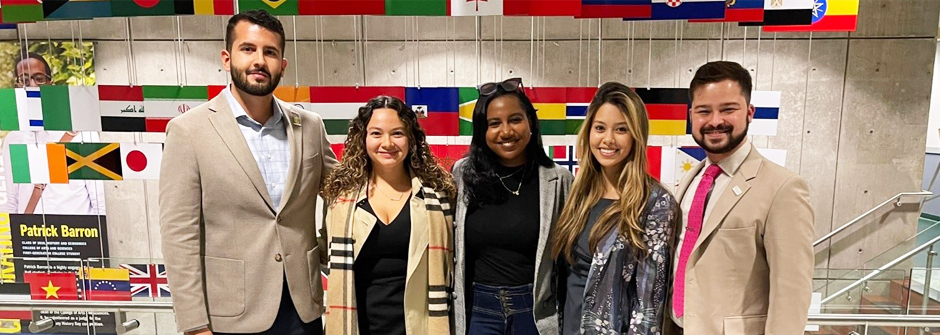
{"x": 52, "y": 285}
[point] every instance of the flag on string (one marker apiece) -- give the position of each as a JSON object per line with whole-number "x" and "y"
{"x": 75, "y": 9}
{"x": 275, "y": 7}
{"x": 668, "y": 109}
{"x": 687, "y": 9}
{"x": 578, "y": 100}
{"x": 551, "y": 106}
{"x": 828, "y": 15}
{"x": 341, "y": 7}
{"x": 163, "y": 103}
{"x": 439, "y": 106}
{"x": 142, "y": 7}
{"x": 468, "y": 102}
{"x": 93, "y": 161}
{"x": 121, "y": 108}
{"x": 337, "y": 105}
{"x": 141, "y": 160}
{"x": 70, "y": 108}
{"x": 16, "y": 11}
{"x": 626, "y": 9}
{"x": 213, "y": 7}
{"x": 475, "y": 7}
{"x": 416, "y": 7}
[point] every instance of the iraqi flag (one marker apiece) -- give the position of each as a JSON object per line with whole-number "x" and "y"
{"x": 439, "y": 107}
{"x": 121, "y": 108}
{"x": 141, "y": 160}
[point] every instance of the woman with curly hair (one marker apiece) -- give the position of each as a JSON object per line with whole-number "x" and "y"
{"x": 509, "y": 195}
{"x": 389, "y": 228}
{"x": 614, "y": 234}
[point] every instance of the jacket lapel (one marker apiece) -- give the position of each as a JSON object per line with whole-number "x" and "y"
{"x": 733, "y": 193}
{"x": 225, "y": 125}
{"x": 548, "y": 184}
{"x": 295, "y": 134}
{"x": 362, "y": 222}
{"x": 418, "y": 243}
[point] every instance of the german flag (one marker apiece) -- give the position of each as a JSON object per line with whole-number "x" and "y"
{"x": 93, "y": 161}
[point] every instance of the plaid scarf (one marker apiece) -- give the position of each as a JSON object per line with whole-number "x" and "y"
{"x": 341, "y": 313}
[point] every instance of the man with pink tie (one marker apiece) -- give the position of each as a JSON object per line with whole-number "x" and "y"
{"x": 744, "y": 259}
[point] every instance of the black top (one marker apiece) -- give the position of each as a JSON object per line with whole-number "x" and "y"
{"x": 502, "y": 238}
{"x": 380, "y": 271}
{"x": 578, "y": 272}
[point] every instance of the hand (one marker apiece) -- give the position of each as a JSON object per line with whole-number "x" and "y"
{"x": 204, "y": 331}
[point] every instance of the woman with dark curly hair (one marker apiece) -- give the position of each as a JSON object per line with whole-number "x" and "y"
{"x": 389, "y": 228}
{"x": 509, "y": 195}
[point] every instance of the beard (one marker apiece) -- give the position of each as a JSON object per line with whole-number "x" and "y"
{"x": 240, "y": 80}
{"x": 733, "y": 141}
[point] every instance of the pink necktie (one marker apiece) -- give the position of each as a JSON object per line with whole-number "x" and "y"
{"x": 696, "y": 214}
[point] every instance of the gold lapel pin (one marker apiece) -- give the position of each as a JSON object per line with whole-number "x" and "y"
{"x": 295, "y": 119}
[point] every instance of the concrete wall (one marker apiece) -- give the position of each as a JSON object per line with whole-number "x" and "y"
{"x": 855, "y": 106}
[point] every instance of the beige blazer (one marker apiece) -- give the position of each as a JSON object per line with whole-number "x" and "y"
{"x": 227, "y": 249}
{"x": 751, "y": 269}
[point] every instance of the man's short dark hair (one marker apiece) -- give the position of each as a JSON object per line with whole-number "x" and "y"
{"x": 24, "y": 54}
{"x": 255, "y": 16}
{"x": 713, "y": 72}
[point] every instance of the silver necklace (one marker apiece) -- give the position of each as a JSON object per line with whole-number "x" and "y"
{"x": 516, "y": 192}
{"x": 402, "y": 195}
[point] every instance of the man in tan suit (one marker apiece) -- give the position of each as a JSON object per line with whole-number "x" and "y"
{"x": 238, "y": 191}
{"x": 744, "y": 259}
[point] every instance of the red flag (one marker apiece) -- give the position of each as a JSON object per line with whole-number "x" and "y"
{"x": 542, "y": 7}
{"x": 341, "y": 7}
{"x": 52, "y": 286}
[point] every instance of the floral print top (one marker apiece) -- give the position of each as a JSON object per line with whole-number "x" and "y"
{"x": 626, "y": 294}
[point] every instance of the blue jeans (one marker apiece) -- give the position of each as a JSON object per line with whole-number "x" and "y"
{"x": 502, "y": 310}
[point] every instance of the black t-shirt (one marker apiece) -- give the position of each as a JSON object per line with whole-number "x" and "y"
{"x": 380, "y": 270}
{"x": 578, "y": 272}
{"x": 502, "y": 238}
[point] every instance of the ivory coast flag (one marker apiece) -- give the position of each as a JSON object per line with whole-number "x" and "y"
{"x": 70, "y": 108}
{"x": 38, "y": 164}
{"x": 468, "y": 101}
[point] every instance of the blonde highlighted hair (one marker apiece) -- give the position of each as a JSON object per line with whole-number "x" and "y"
{"x": 633, "y": 184}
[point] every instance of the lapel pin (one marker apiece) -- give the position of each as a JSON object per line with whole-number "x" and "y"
{"x": 737, "y": 190}
{"x": 295, "y": 119}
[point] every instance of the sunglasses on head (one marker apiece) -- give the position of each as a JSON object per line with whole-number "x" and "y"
{"x": 508, "y": 85}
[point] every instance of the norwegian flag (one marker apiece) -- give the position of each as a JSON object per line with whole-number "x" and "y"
{"x": 564, "y": 156}
{"x": 148, "y": 280}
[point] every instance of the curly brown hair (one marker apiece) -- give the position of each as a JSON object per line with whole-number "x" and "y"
{"x": 356, "y": 167}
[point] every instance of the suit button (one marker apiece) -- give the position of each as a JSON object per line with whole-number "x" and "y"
{"x": 278, "y": 257}
{"x": 279, "y": 219}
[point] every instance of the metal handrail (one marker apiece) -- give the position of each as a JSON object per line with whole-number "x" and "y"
{"x": 870, "y": 211}
{"x": 87, "y": 306}
{"x": 879, "y": 320}
{"x": 877, "y": 271}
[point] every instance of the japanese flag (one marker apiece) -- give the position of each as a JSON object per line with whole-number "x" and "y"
{"x": 141, "y": 160}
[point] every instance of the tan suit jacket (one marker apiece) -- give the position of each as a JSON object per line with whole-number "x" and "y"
{"x": 227, "y": 249}
{"x": 750, "y": 271}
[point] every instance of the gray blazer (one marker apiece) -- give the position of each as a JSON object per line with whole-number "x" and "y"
{"x": 554, "y": 185}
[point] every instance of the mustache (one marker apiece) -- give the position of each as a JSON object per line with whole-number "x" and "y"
{"x": 721, "y": 128}
{"x": 262, "y": 70}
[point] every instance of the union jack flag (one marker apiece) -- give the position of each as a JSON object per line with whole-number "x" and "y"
{"x": 148, "y": 280}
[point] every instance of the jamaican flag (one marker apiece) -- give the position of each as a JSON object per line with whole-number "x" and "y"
{"x": 93, "y": 161}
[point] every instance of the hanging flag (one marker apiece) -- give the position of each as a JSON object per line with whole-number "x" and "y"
{"x": 13, "y": 109}
{"x": 416, "y": 7}
{"x": 15, "y": 11}
{"x": 627, "y": 9}
{"x": 148, "y": 280}
{"x": 163, "y": 103}
{"x": 214, "y": 7}
{"x": 75, "y": 9}
{"x": 106, "y": 284}
{"x": 766, "y": 114}
{"x": 542, "y": 8}
{"x": 342, "y": 7}
{"x": 338, "y": 105}
{"x": 70, "y": 108}
{"x": 579, "y": 98}
{"x": 5, "y": 25}
{"x": 15, "y": 292}
{"x": 449, "y": 154}
{"x": 741, "y": 11}
{"x": 141, "y": 160}
{"x": 93, "y": 161}
{"x": 668, "y": 109}
{"x": 34, "y": 108}
{"x": 338, "y": 149}
{"x": 440, "y": 106}
{"x": 563, "y": 155}
{"x": 550, "y": 103}
{"x": 687, "y": 9}
{"x": 121, "y": 108}
{"x": 52, "y": 285}
{"x": 275, "y": 7}
{"x": 468, "y": 101}
{"x": 58, "y": 166}
{"x": 475, "y": 7}
{"x": 299, "y": 96}
{"x": 828, "y": 15}
{"x": 788, "y": 12}
{"x": 142, "y": 7}
{"x": 34, "y": 164}
{"x": 686, "y": 160}
{"x": 661, "y": 164}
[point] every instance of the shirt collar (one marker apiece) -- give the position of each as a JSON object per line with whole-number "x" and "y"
{"x": 240, "y": 113}
{"x": 729, "y": 166}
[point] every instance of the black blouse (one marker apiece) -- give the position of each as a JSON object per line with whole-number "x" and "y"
{"x": 380, "y": 270}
